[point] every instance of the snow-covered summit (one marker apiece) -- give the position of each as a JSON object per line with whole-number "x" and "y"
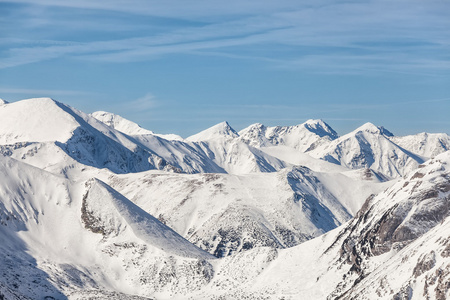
{"x": 44, "y": 121}
{"x": 255, "y": 135}
{"x": 108, "y": 212}
{"x": 128, "y": 127}
{"x": 369, "y": 146}
{"x": 319, "y": 127}
{"x": 303, "y": 137}
{"x": 119, "y": 123}
{"x": 35, "y": 120}
{"x": 221, "y": 130}
{"x": 371, "y": 128}
{"x": 425, "y": 144}
{"x": 2, "y": 102}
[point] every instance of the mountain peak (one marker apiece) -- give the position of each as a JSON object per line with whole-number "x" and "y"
{"x": 3, "y": 101}
{"x": 257, "y": 125}
{"x": 220, "y": 130}
{"x": 119, "y": 123}
{"x": 43, "y": 100}
{"x": 385, "y": 132}
{"x": 255, "y": 135}
{"x": 370, "y": 127}
{"x": 315, "y": 121}
{"x": 254, "y": 128}
{"x": 36, "y": 120}
{"x": 320, "y": 128}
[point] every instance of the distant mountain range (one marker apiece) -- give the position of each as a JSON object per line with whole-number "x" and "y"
{"x": 94, "y": 206}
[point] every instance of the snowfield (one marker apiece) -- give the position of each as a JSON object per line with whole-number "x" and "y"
{"x": 93, "y": 206}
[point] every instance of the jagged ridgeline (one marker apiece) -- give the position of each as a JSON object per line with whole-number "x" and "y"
{"x": 94, "y": 206}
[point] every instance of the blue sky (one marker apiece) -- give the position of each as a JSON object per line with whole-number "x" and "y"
{"x": 182, "y": 66}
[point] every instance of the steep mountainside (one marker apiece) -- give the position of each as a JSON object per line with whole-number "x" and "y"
{"x": 424, "y": 144}
{"x": 104, "y": 209}
{"x": 52, "y": 126}
{"x": 224, "y": 214}
{"x": 128, "y": 127}
{"x": 218, "y": 155}
{"x": 397, "y": 247}
{"x": 81, "y": 137}
{"x": 119, "y": 123}
{"x": 60, "y": 238}
{"x": 221, "y": 130}
{"x": 215, "y": 150}
{"x": 303, "y": 137}
{"x": 369, "y": 146}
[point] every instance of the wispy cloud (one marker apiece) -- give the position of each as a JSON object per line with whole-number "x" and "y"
{"x": 140, "y": 105}
{"x": 327, "y": 36}
{"x": 22, "y": 91}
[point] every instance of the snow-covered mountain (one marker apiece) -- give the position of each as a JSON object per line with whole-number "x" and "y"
{"x": 427, "y": 145}
{"x": 224, "y": 213}
{"x": 397, "y": 247}
{"x": 369, "y": 146}
{"x": 119, "y": 123}
{"x": 304, "y": 137}
{"x": 94, "y": 207}
{"x": 217, "y": 155}
{"x": 218, "y": 131}
{"x": 51, "y": 126}
{"x": 60, "y": 237}
{"x": 128, "y": 127}
{"x": 83, "y": 139}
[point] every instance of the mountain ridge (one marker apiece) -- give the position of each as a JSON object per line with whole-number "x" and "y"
{"x": 90, "y": 211}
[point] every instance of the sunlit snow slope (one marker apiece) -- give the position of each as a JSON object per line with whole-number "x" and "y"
{"x": 93, "y": 206}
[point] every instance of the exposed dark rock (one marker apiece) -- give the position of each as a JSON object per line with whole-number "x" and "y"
{"x": 425, "y": 263}
{"x": 417, "y": 175}
{"x": 446, "y": 251}
{"x": 442, "y": 288}
{"x": 405, "y": 293}
{"x": 90, "y": 221}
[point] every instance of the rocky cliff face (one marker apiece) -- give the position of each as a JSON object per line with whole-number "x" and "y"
{"x": 391, "y": 224}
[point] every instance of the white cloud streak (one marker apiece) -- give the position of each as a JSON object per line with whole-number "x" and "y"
{"x": 140, "y": 105}
{"x": 407, "y": 37}
{"x": 22, "y": 91}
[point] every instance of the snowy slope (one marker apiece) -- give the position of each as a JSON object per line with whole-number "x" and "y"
{"x": 35, "y": 120}
{"x": 397, "y": 243}
{"x": 186, "y": 156}
{"x": 424, "y": 144}
{"x": 90, "y": 142}
{"x": 128, "y": 127}
{"x": 229, "y": 213}
{"x": 79, "y": 136}
{"x": 214, "y": 150}
{"x": 119, "y": 123}
{"x": 397, "y": 247}
{"x": 236, "y": 157}
{"x": 295, "y": 157}
{"x": 88, "y": 211}
{"x": 303, "y": 137}
{"x": 60, "y": 237}
{"x": 221, "y": 130}
{"x": 218, "y": 155}
{"x": 106, "y": 211}
{"x": 369, "y": 146}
